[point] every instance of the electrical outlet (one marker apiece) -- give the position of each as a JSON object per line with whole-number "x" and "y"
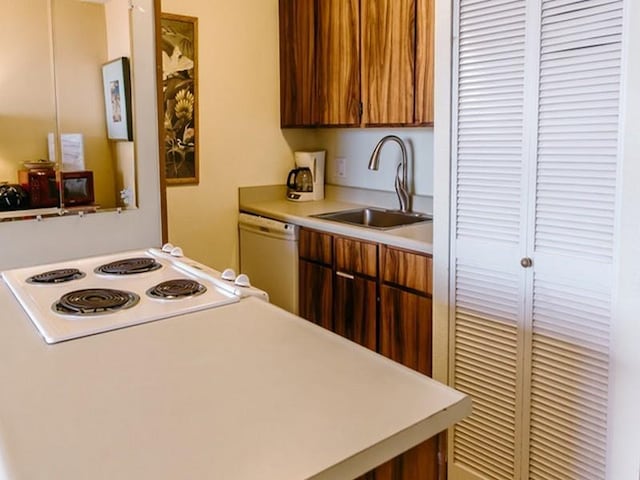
{"x": 341, "y": 167}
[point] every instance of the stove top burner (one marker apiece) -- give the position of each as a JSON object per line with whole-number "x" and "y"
{"x": 92, "y": 301}
{"x": 178, "y": 288}
{"x": 129, "y": 266}
{"x": 57, "y": 276}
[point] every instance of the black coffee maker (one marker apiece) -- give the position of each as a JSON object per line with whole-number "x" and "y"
{"x": 300, "y": 184}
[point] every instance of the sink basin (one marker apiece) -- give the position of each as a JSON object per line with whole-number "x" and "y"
{"x": 375, "y": 218}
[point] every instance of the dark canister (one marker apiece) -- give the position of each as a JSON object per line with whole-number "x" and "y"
{"x": 13, "y": 197}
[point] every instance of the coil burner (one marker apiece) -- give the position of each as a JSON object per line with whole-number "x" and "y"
{"x": 56, "y": 276}
{"x": 94, "y": 301}
{"x": 178, "y": 288}
{"x": 129, "y": 266}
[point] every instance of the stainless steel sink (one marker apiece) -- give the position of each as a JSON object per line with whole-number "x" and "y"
{"x": 375, "y": 218}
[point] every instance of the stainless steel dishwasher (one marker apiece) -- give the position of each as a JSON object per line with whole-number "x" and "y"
{"x": 269, "y": 256}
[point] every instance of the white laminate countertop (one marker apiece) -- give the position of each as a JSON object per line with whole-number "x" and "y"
{"x": 245, "y": 391}
{"x": 417, "y": 237}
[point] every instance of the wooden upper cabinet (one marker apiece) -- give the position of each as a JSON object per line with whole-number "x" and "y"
{"x": 425, "y": 40}
{"x": 388, "y": 60}
{"x": 397, "y": 61}
{"x": 337, "y": 62}
{"x": 297, "y": 62}
{"x": 356, "y": 62}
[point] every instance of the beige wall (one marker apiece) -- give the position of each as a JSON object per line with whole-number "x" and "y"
{"x": 239, "y": 124}
{"x": 27, "y": 109}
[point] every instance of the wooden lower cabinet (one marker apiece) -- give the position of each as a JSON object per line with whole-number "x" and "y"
{"x": 379, "y": 297}
{"x": 405, "y": 328}
{"x": 355, "y": 308}
{"x": 405, "y": 336}
{"x": 316, "y": 293}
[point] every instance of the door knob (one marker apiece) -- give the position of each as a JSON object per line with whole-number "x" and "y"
{"x": 526, "y": 262}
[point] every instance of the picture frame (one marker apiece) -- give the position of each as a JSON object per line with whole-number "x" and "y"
{"x": 116, "y": 79}
{"x": 179, "y": 84}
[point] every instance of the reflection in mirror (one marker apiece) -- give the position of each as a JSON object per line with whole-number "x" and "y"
{"x": 27, "y": 101}
{"x": 63, "y": 117}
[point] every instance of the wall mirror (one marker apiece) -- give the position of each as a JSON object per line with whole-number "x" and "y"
{"x": 55, "y": 102}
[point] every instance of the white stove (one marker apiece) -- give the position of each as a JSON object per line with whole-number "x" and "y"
{"x": 83, "y": 297}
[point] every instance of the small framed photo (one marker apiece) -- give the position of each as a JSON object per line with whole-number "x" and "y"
{"x": 117, "y": 99}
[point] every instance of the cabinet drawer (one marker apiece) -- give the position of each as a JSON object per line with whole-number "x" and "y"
{"x": 354, "y": 256}
{"x": 315, "y": 246}
{"x": 406, "y": 269}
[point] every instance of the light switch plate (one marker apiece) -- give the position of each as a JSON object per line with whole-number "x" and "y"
{"x": 341, "y": 167}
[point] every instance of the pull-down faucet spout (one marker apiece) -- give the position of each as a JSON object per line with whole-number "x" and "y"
{"x": 401, "y": 179}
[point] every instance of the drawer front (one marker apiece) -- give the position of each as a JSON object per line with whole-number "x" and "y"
{"x": 354, "y": 256}
{"x": 406, "y": 269}
{"x": 316, "y": 246}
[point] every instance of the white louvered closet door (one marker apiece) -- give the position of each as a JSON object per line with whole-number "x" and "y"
{"x": 535, "y": 148}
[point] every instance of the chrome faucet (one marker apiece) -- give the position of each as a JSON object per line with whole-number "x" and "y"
{"x": 401, "y": 181}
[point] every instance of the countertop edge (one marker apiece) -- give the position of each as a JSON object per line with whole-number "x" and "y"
{"x": 399, "y": 443}
{"x": 398, "y": 237}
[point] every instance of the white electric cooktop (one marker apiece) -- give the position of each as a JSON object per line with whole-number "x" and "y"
{"x": 135, "y": 287}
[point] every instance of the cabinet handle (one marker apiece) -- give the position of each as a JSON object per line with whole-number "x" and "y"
{"x": 526, "y": 262}
{"x": 345, "y": 275}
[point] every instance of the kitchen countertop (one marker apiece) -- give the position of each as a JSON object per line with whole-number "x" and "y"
{"x": 417, "y": 237}
{"x": 245, "y": 391}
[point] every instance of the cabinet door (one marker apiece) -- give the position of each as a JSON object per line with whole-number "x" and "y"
{"x": 405, "y": 328}
{"x": 297, "y": 63}
{"x": 388, "y": 61}
{"x": 405, "y": 336}
{"x": 337, "y": 63}
{"x": 425, "y": 22}
{"x": 355, "y": 308}
{"x": 316, "y": 296}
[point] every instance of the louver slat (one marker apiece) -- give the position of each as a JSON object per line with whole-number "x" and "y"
{"x": 577, "y": 163}
{"x": 490, "y": 87}
{"x": 569, "y": 386}
{"x": 486, "y": 335}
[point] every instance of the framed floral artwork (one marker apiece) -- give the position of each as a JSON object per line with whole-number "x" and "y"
{"x": 117, "y": 99}
{"x": 179, "y": 36}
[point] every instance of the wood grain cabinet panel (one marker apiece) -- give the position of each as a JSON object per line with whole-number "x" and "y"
{"x": 355, "y": 256}
{"x": 337, "y": 62}
{"x": 316, "y": 293}
{"x": 405, "y": 328}
{"x": 355, "y": 306}
{"x": 406, "y": 269}
{"x": 316, "y": 246}
{"x": 297, "y": 63}
{"x": 425, "y": 22}
{"x": 388, "y": 60}
{"x": 405, "y": 336}
{"x": 356, "y": 62}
